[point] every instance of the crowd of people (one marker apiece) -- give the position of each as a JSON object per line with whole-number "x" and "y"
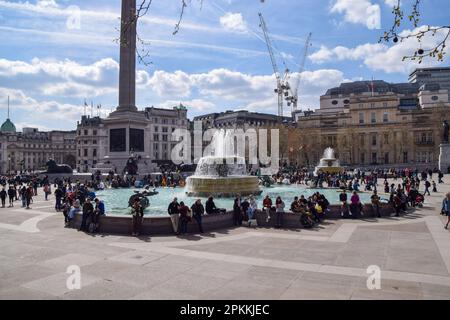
{"x": 406, "y": 189}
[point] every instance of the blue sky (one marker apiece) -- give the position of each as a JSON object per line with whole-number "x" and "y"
{"x": 57, "y": 53}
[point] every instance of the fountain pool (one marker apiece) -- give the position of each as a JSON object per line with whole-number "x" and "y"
{"x": 116, "y": 200}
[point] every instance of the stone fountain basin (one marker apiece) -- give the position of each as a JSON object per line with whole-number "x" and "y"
{"x": 205, "y": 186}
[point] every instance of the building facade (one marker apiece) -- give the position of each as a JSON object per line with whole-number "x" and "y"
{"x": 106, "y": 144}
{"x": 440, "y": 76}
{"x": 30, "y": 149}
{"x": 374, "y": 124}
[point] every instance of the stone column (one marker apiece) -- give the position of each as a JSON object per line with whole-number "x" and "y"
{"x": 127, "y": 78}
{"x": 444, "y": 158}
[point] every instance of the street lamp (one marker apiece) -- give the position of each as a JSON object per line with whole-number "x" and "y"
{"x": 9, "y": 165}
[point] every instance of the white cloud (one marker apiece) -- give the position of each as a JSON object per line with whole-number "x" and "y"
{"x": 170, "y": 84}
{"x": 39, "y": 110}
{"x": 199, "y": 105}
{"x": 63, "y": 78}
{"x": 359, "y": 12}
{"x": 379, "y": 56}
{"x": 47, "y": 3}
{"x": 391, "y": 3}
{"x": 233, "y": 22}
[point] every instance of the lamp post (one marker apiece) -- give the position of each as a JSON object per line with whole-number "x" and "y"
{"x": 9, "y": 165}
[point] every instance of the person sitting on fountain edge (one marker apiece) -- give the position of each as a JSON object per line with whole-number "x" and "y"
{"x": 211, "y": 208}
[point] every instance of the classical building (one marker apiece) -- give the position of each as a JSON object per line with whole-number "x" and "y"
{"x": 374, "y": 123}
{"x": 30, "y": 149}
{"x": 149, "y": 136}
{"x": 91, "y": 141}
{"x": 240, "y": 119}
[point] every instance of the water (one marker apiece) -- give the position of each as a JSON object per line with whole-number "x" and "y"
{"x": 116, "y": 200}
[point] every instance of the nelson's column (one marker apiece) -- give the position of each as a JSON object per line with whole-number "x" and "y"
{"x": 126, "y": 126}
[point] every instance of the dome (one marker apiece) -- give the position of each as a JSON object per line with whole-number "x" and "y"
{"x": 8, "y": 126}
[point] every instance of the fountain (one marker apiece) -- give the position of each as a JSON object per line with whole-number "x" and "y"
{"x": 329, "y": 163}
{"x": 222, "y": 175}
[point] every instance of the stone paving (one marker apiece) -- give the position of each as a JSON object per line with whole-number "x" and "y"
{"x": 413, "y": 253}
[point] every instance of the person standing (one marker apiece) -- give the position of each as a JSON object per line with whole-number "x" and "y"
{"x": 446, "y": 208}
{"x": 267, "y": 205}
{"x": 58, "y": 197}
{"x": 138, "y": 215}
{"x": 11, "y": 195}
{"x": 343, "y": 199}
{"x": 279, "y": 207}
{"x": 440, "y": 176}
{"x": 427, "y": 188}
{"x": 3, "y": 195}
{"x": 197, "y": 212}
{"x": 433, "y": 183}
{"x": 237, "y": 212}
{"x": 355, "y": 206}
{"x": 184, "y": 217}
{"x": 253, "y": 206}
{"x": 88, "y": 210}
{"x": 375, "y": 199}
{"x": 397, "y": 203}
{"x": 174, "y": 212}
{"x": 29, "y": 196}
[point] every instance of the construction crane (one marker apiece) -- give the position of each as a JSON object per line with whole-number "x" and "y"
{"x": 292, "y": 100}
{"x": 282, "y": 85}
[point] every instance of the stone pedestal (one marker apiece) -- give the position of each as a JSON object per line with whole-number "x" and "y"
{"x": 444, "y": 158}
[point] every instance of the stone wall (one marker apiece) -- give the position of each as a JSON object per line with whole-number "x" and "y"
{"x": 111, "y": 224}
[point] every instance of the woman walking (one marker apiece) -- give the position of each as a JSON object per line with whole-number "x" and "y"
{"x": 446, "y": 208}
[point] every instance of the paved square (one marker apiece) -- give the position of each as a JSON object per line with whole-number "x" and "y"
{"x": 413, "y": 253}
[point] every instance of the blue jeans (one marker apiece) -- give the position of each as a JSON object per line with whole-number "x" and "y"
{"x": 250, "y": 213}
{"x": 198, "y": 218}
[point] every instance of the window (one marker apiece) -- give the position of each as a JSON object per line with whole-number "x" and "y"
{"x": 94, "y": 132}
{"x": 174, "y": 121}
{"x": 361, "y": 105}
{"x": 362, "y": 140}
{"x": 165, "y": 129}
{"x": 385, "y": 117}
{"x": 435, "y": 98}
{"x": 156, "y": 137}
{"x": 373, "y": 117}
{"x": 94, "y": 142}
{"x": 385, "y": 104}
{"x": 374, "y": 157}
{"x": 346, "y": 101}
{"x": 386, "y": 138}
{"x": 405, "y": 157}
{"x": 374, "y": 139}
{"x": 117, "y": 140}
{"x": 164, "y": 137}
{"x": 94, "y": 152}
{"x": 85, "y": 152}
{"x": 386, "y": 158}
{"x": 86, "y": 132}
{"x": 363, "y": 158}
{"x": 372, "y": 104}
{"x": 361, "y": 117}
{"x": 155, "y": 120}
{"x": 156, "y": 129}
{"x": 334, "y": 102}
{"x": 136, "y": 140}
{"x": 79, "y": 152}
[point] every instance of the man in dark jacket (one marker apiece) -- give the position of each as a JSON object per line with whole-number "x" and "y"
{"x": 3, "y": 195}
{"x": 197, "y": 212}
{"x": 88, "y": 210}
{"x": 174, "y": 212}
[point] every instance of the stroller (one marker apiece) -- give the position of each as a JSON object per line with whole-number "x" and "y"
{"x": 420, "y": 199}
